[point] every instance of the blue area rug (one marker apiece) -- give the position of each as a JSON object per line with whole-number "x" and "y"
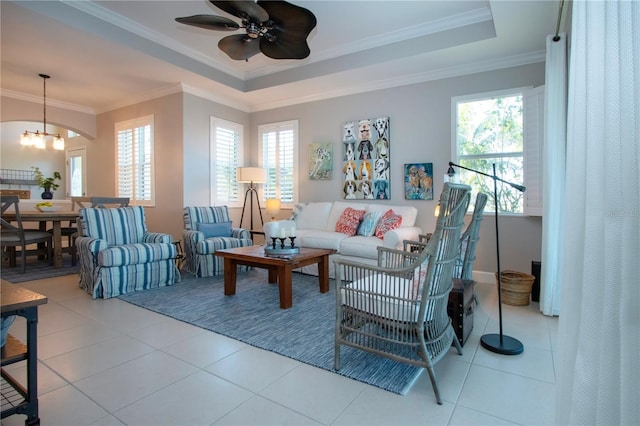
{"x": 304, "y": 332}
{"x": 36, "y": 270}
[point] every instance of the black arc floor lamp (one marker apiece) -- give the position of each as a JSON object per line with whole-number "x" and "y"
{"x": 251, "y": 175}
{"x": 498, "y": 343}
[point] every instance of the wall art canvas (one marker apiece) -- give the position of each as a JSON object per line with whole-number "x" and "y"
{"x": 366, "y": 159}
{"x": 418, "y": 181}
{"x": 320, "y": 161}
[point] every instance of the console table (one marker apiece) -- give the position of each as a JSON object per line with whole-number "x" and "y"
{"x": 16, "y": 399}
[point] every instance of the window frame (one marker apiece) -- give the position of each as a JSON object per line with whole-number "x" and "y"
{"x": 220, "y": 123}
{"x": 132, "y": 125}
{"x": 532, "y": 129}
{"x": 289, "y": 125}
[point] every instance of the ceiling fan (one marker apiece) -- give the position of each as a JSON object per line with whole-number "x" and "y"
{"x": 278, "y": 29}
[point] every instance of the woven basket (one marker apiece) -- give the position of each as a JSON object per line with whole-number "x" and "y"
{"x": 516, "y": 287}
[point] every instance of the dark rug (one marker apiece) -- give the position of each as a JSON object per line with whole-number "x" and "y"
{"x": 304, "y": 332}
{"x": 36, "y": 270}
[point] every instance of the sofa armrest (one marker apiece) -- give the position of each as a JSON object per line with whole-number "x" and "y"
{"x": 157, "y": 237}
{"x": 240, "y": 233}
{"x": 192, "y": 237}
{"x": 89, "y": 247}
{"x": 395, "y": 237}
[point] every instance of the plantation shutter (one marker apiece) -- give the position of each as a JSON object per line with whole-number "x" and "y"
{"x": 226, "y": 141}
{"x": 279, "y": 154}
{"x": 533, "y": 146}
{"x": 135, "y": 169}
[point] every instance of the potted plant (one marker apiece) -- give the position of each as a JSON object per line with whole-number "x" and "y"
{"x": 47, "y": 183}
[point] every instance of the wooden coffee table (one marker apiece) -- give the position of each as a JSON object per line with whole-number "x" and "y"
{"x": 280, "y": 268}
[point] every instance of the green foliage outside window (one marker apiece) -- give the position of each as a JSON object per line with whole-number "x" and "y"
{"x": 491, "y": 131}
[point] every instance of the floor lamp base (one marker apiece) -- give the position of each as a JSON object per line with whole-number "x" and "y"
{"x": 501, "y": 344}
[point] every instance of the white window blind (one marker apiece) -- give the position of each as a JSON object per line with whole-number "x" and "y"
{"x": 135, "y": 175}
{"x": 534, "y": 144}
{"x": 279, "y": 152}
{"x": 226, "y": 149}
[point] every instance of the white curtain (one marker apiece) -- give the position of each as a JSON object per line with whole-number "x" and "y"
{"x": 598, "y": 379}
{"x": 553, "y": 160}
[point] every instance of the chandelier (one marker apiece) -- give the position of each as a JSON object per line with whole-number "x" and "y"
{"x": 38, "y": 139}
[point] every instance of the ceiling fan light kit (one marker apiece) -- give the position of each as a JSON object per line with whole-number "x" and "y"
{"x": 277, "y": 29}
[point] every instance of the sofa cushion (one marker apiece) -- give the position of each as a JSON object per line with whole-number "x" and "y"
{"x": 408, "y": 213}
{"x": 336, "y": 210}
{"x": 349, "y": 221}
{"x": 314, "y": 216}
{"x": 359, "y": 246}
{"x": 124, "y": 225}
{"x": 131, "y": 254}
{"x": 385, "y": 296}
{"x": 368, "y": 225}
{"x": 387, "y": 222}
{"x": 312, "y": 238}
{"x": 221, "y": 229}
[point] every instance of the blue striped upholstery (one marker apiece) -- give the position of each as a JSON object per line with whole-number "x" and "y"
{"x": 117, "y": 255}
{"x": 199, "y": 250}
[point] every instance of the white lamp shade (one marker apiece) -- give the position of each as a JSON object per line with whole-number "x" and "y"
{"x": 251, "y": 174}
{"x": 273, "y": 206}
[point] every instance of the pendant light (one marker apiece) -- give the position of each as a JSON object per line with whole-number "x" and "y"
{"x": 38, "y": 139}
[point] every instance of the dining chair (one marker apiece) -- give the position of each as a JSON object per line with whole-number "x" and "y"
{"x": 14, "y": 236}
{"x": 71, "y": 231}
{"x": 106, "y": 202}
{"x": 398, "y": 308}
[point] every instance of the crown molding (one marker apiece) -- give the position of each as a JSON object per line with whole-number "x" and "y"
{"x": 206, "y": 94}
{"x": 50, "y": 102}
{"x": 430, "y": 27}
{"x": 439, "y": 74}
{"x": 127, "y": 24}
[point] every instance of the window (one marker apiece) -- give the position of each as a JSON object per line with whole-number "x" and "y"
{"x": 278, "y": 155}
{"x": 72, "y": 134}
{"x": 489, "y": 128}
{"x": 226, "y": 149}
{"x": 135, "y": 168}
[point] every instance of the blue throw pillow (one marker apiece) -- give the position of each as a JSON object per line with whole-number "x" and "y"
{"x": 368, "y": 225}
{"x": 220, "y": 229}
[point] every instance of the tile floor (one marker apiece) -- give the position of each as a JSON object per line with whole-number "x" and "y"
{"x": 107, "y": 362}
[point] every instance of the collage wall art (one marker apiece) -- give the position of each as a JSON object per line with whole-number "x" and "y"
{"x": 365, "y": 155}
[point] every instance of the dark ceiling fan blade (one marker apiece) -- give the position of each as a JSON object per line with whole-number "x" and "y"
{"x": 247, "y": 9}
{"x": 281, "y": 49}
{"x": 239, "y": 46}
{"x": 209, "y": 22}
{"x": 291, "y": 27}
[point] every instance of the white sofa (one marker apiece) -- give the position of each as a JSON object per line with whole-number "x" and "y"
{"x": 315, "y": 225}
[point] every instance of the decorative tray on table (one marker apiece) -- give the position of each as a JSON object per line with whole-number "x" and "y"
{"x": 278, "y": 247}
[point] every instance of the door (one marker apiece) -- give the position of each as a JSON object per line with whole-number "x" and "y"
{"x": 76, "y": 172}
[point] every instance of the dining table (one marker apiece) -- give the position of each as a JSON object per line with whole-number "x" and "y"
{"x": 56, "y": 218}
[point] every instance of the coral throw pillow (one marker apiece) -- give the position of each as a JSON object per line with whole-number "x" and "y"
{"x": 387, "y": 222}
{"x": 349, "y": 221}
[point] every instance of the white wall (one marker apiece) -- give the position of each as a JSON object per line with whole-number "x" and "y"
{"x": 420, "y": 131}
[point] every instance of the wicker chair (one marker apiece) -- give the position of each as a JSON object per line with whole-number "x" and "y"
{"x": 468, "y": 243}
{"x": 398, "y": 309}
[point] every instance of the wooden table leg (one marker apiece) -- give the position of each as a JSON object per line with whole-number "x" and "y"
{"x": 57, "y": 244}
{"x": 323, "y": 274}
{"x": 230, "y": 272}
{"x": 273, "y": 275}
{"x": 284, "y": 284}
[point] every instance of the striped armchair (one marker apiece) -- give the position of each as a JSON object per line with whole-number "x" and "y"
{"x": 207, "y": 229}
{"x": 117, "y": 255}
